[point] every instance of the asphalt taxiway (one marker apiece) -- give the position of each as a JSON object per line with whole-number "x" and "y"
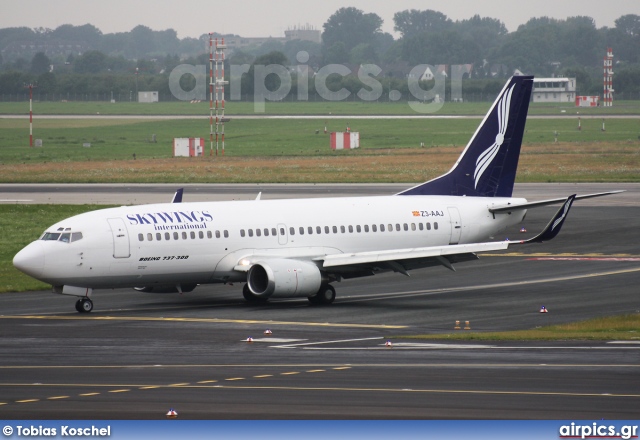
{"x": 138, "y": 354}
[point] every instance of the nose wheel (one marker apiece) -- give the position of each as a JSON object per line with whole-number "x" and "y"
{"x": 84, "y": 305}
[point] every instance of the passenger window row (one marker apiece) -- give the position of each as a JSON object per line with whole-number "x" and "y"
{"x": 260, "y": 232}
{"x": 266, "y": 232}
{"x": 184, "y": 235}
{"x": 343, "y": 229}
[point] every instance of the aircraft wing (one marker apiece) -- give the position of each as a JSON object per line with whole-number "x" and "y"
{"x": 402, "y": 260}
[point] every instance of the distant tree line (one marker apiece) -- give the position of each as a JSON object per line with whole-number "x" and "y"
{"x": 81, "y": 60}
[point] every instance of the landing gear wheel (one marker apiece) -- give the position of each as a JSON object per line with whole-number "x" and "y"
{"x": 250, "y": 297}
{"x": 84, "y": 305}
{"x": 326, "y": 295}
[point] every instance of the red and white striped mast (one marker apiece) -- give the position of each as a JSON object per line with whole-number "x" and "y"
{"x": 211, "y": 94}
{"x": 219, "y": 88}
{"x": 607, "y": 97}
{"x": 30, "y": 86}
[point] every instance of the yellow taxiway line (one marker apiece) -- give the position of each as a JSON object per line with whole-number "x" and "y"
{"x": 207, "y": 320}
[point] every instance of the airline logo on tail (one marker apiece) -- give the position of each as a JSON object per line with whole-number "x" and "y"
{"x": 485, "y": 159}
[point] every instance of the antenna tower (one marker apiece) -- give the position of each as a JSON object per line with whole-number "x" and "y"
{"x": 607, "y": 97}
{"x": 219, "y": 90}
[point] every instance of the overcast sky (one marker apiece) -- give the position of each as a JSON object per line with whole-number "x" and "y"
{"x": 263, "y": 18}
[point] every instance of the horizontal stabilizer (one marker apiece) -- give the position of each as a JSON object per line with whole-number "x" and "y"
{"x": 511, "y": 208}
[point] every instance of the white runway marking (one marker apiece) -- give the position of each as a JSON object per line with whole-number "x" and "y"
{"x": 276, "y": 340}
{"x": 437, "y": 346}
{"x": 624, "y": 342}
{"x": 306, "y": 344}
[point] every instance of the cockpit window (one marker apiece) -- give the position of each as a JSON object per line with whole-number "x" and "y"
{"x": 65, "y": 237}
{"x": 51, "y": 236}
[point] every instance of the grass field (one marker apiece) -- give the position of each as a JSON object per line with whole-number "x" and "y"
{"x": 319, "y": 108}
{"x": 271, "y": 151}
{"x": 120, "y": 138}
{"x": 620, "y": 328}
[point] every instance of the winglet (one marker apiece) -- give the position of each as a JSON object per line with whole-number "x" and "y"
{"x": 177, "y": 197}
{"x": 553, "y": 228}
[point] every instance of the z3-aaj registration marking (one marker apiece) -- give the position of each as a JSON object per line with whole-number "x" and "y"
{"x": 428, "y": 213}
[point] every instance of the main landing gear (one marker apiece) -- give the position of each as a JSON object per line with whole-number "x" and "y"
{"x": 326, "y": 295}
{"x": 84, "y": 305}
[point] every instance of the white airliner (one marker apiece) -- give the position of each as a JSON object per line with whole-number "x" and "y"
{"x": 297, "y": 248}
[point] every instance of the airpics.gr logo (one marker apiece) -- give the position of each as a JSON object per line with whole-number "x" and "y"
{"x": 171, "y": 220}
{"x": 597, "y": 430}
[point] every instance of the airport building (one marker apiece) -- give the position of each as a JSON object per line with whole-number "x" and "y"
{"x": 305, "y": 33}
{"x": 554, "y": 90}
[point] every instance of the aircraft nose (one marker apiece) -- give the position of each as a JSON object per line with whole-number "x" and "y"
{"x": 30, "y": 260}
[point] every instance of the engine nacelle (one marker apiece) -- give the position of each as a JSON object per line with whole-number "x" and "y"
{"x": 283, "y": 278}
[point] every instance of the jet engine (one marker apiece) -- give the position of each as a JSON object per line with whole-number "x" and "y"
{"x": 283, "y": 278}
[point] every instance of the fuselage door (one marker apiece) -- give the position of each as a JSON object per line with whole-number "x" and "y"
{"x": 456, "y": 225}
{"x": 282, "y": 234}
{"x": 120, "y": 238}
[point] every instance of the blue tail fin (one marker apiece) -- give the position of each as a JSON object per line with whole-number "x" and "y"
{"x": 487, "y": 166}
